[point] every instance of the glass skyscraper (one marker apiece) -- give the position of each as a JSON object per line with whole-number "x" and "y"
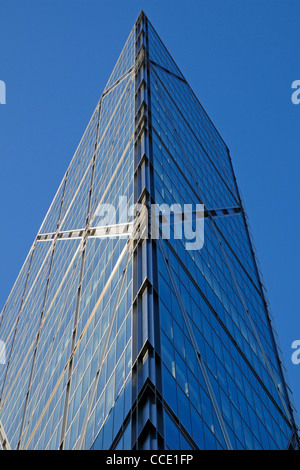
{"x": 115, "y": 339}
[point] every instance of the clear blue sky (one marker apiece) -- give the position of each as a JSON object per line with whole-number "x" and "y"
{"x": 239, "y": 56}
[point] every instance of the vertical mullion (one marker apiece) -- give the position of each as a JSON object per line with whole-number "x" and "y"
{"x": 76, "y": 316}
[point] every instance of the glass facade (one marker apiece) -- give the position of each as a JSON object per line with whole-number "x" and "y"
{"x": 115, "y": 341}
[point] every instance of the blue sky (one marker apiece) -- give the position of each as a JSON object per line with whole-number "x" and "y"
{"x": 239, "y": 56}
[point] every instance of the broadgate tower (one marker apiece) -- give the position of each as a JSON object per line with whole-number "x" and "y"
{"x": 119, "y": 339}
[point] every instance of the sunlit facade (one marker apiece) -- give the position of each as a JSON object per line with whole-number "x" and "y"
{"x": 117, "y": 341}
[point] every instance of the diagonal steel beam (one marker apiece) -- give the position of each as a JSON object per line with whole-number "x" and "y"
{"x": 93, "y": 392}
{"x": 3, "y": 438}
{"x": 104, "y": 231}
